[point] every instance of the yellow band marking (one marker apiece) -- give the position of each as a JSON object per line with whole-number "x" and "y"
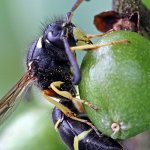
{"x": 80, "y": 137}
{"x": 39, "y": 43}
{"x": 57, "y": 124}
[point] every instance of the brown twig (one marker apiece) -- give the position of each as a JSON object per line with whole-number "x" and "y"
{"x": 127, "y": 7}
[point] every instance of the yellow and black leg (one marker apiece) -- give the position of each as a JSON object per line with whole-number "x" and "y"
{"x": 95, "y": 46}
{"x": 67, "y": 112}
{"x": 55, "y": 85}
{"x": 91, "y": 36}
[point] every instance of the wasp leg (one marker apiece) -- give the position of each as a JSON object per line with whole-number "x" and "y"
{"x": 95, "y": 46}
{"x": 88, "y": 123}
{"x": 91, "y": 36}
{"x": 69, "y": 113}
{"x": 56, "y": 85}
{"x": 64, "y": 109}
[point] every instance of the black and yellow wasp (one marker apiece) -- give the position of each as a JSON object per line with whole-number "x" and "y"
{"x": 52, "y": 67}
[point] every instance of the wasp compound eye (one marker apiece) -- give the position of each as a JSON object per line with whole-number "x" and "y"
{"x": 53, "y": 31}
{"x": 52, "y": 37}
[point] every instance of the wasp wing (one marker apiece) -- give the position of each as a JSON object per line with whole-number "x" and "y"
{"x": 9, "y": 100}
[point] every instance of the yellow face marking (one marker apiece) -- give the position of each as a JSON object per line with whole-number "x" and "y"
{"x": 39, "y": 43}
{"x": 80, "y": 137}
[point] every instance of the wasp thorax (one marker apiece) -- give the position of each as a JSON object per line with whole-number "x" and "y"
{"x": 48, "y": 57}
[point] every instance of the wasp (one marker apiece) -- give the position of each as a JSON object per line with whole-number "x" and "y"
{"x": 52, "y": 66}
{"x": 77, "y": 135}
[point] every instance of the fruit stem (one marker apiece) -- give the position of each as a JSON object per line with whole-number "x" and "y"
{"x": 115, "y": 127}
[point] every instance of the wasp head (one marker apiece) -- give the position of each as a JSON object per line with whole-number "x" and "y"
{"x": 55, "y": 31}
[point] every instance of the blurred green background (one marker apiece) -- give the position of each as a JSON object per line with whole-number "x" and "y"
{"x": 30, "y": 126}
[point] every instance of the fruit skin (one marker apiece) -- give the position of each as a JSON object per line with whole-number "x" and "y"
{"x": 117, "y": 80}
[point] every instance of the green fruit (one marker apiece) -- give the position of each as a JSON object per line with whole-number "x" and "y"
{"x": 117, "y": 80}
{"x": 146, "y": 3}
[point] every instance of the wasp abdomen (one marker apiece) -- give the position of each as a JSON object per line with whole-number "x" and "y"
{"x": 77, "y": 135}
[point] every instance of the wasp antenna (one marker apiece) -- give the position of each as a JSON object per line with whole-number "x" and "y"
{"x": 74, "y": 7}
{"x": 76, "y": 71}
